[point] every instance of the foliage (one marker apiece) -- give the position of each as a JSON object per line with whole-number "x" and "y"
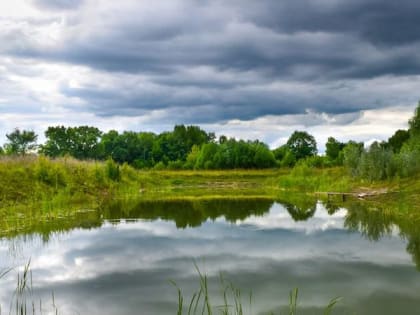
{"x": 375, "y": 163}
{"x": 20, "y": 142}
{"x": 408, "y": 160}
{"x": 232, "y": 154}
{"x": 399, "y": 156}
{"x": 414, "y": 122}
{"x": 284, "y": 156}
{"x": 397, "y": 140}
{"x": 333, "y": 150}
{"x": 79, "y": 142}
{"x": 352, "y": 153}
{"x": 302, "y": 144}
{"x": 112, "y": 170}
{"x": 190, "y": 147}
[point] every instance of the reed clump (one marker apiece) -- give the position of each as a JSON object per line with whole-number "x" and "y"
{"x": 234, "y": 302}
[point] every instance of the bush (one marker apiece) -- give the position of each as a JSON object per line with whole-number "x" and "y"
{"x": 175, "y": 165}
{"x": 159, "y": 166}
{"x": 375, "y": 163}
{"x": 50, "y": 173}
{"x": 112, "y": 170}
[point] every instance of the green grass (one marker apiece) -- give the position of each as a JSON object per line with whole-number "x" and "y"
{"x": 234, "y": 302}
{"x": 23, "y": 300}
{"x": 39, "y": 193}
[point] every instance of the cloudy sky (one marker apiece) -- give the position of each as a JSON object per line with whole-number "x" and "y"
{"x": 244, "y": 68}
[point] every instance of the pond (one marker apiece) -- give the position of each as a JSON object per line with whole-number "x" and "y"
{"x": 121, "y": 258}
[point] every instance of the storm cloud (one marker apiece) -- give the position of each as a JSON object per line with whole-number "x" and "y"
{"x": 211, "y": 62}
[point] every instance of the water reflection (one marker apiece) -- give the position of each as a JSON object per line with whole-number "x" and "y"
{"x": 375, "y": 221}
{"x": 187, "y": 213}
{"x": 121, "y": 258}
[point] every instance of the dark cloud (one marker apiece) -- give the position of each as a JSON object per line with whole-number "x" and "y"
{"x": 379, "y": 22}
{"x": 334, "y": 37}
{"x": 226, "y": 59}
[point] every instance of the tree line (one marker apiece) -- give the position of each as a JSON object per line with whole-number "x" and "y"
{"x": 190, "y": 147}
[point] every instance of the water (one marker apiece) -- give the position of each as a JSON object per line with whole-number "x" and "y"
{"x": 121, "y": 260}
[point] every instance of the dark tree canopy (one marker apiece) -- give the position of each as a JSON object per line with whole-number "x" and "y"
{"x": 302, "y": 144}
{"x": 20, "y": 142}
{"x": 333, "y": 148}
{"x": 80, "y": 142}
{"x": 398, "y": 139}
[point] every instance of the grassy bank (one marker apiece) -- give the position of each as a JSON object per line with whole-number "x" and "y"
{"x": 34, "y": 180}
{"x": 45, "y": 183}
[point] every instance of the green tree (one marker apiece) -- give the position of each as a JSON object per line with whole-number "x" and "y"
{"x": 302, "y": 144}
{"x": 264, "y": 158}
{"x": 333, "y": 149}
{"x": 192, "y": 157}
{"x": 58, "y": 142}
{"x": 20, "y": 142}
{"x": 205, "y": 157}
{"x": 85, "y": 142}
{"x": 398, "y": 139}
{"x": 80, "y": 142}
{"x": 414, "y": 122}
{"x": 109, "y": 144}
{"x": 351, "y": 155}
{"x": 280, "y": 152}
{"x": 284, "y": 156}
{"x": 375, "y": 162}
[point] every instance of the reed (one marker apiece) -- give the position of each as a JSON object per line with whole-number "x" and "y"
{"x": 232, "y": 297}
{"x": 23, "y": 300}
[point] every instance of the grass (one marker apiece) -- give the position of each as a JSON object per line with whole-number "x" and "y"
{"x": 32, "y": 181}
{"x": 23, "y": 301}
{"x": 233, "y": 302}
{"x": 42, "y": 195}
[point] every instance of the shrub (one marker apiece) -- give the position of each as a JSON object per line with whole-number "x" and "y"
{"x": 112, "y": 170}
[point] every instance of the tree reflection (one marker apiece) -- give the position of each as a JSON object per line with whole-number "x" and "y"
{"x": 373, "y": 223}
{"x": 375, "y": 220}
{"x": 189, "y": 213}
{"x": 301, "y": 207}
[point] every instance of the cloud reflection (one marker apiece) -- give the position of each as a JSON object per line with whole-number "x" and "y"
{"x": 125, "y": 267}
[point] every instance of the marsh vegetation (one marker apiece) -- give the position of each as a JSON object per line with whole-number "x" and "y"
{"x": 149, "y": 205}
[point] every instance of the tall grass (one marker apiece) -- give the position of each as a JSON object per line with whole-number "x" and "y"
{"x": 23, "y": 300}
{"x": 232, "y": 300}
{"x": 24, "y": 303}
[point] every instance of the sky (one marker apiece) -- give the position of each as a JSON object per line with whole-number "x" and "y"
{"x": 244, "y": 68}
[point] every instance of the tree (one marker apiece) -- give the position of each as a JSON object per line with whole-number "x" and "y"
{"x": 264, "y": 158}
{"x": 302, "y": 144}
{"x": 414, "y": 122}
{"x": 20, "y": 142}
{"x": 398, "y": 139}
{"x": 58, "y": 142}
{"x": 85, "y": 142}
{"x": 333, "y": 149}
{"x": 352, "y": 153}
{"x": 80, "y": 142}
{"x": 375, "y": 162}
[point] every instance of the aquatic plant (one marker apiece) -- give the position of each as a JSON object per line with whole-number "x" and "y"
{"x": 232, "y": 297}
